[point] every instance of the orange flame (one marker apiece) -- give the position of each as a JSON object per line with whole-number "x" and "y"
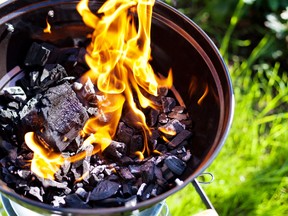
{"x": 48, "y": 27}
{"x": 45, "y": 161}
{"x": 199, "y": 102}
{"x": 118, "y": 57}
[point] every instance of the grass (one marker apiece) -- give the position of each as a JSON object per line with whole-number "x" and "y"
{"x": 251, "y": 171}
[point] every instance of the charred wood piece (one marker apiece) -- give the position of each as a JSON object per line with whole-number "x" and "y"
{"x": 148, "y": 174}
{"x": 15, "y": 93}
{"x": 178, "y": 116}
{"x": 153, "y": 117}
{"x": 126, "y": 174}
{"x": 115, "y": 150}
{"x": 124, "y": 133}
{"x": 179, "y": 138}
{"x": 163, "y": 119}
{"x": 175, "y": 164}
{"x": 37, "y": 55}
{"x": 64, "y": 116}
{"x": 168, "y": 103}
{"x": 74, "y": 201}
{"x": 104, "y": 190}
{"x": 137, "y": 144}
{"x": 172, "y": 128}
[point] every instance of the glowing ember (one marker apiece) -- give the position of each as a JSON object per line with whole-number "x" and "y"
{"x": 118, "y": 57}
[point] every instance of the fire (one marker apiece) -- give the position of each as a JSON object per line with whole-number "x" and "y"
{"x": 48, "y": 27}
{"x": 45, "y": 161}
{"x": 118, "y": 57}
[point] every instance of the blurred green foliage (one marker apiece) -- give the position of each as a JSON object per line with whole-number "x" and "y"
{"x": 237, "y": 26}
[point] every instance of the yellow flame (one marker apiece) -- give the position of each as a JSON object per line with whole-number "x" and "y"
{"x": 48, "y": 27}
{"x": 119, "y": 58}
{"x": 45, "y": 161}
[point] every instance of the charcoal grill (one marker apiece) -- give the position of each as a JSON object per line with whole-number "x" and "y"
{"x": 177, "y": 43}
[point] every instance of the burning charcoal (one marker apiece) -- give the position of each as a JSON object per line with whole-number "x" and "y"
{"x": 172, "y": 127}
{"x": 98, "y": 169}
{"x": 79, "y": 140}
{"x": 175, "y": 164}
{"x": 93, "y": 111}
{"x": 66, "y": 167}
{"x": 163, "y": 119}
{"x": 178, "y": 109}
{"x": 77, "y": 86}
{"x": 58, "y": 200}
{"x": 37, "y": 193}
{"x": 34, "y": 78}
{"x": 115, "y": 151}
{"x": 148, "y": 173}
{"x": 8, "y": 177}
{"x": 74, "y": 201}
{"x": 24, "y": 174}
{"x": 51, "y": 183}
{"x": 94, "y": 179}
{"x": 178, "y": 116}
{"x": 125, "y": 173}
{"x": 104, "y": 190}
{"x": 137, "y": 144}
{"x": 179, "y": 138}
{"x": 76, "y": 174}
{"x": 109, "y": 202}
{"x": 88, "y": 88}
{"x": 167, "y": 174}
{"x": 81, "y": 192}
{"x": 131, "y": 202}
{"x": 30, "y": 116}
{"x": 15, "y": 93}
{"x": 127, "y": 190}
{"x": 147, "y": 192}
{"x": 153, "y": 117}
{"x": 135, "y": 169}
{"x": 37, "y": 55}
{"x": 162, "y": 91}
{"x": 159, "y": 176}
{"x": 113, "y": 177}
{"x": 187, "y": 156}
{"x": 13, "y": 105}
{"x": 7, "y": 115}
{"x": 125, "y": 160}
{"x": 168, "y": 103}
{"x": 61, "y": 102}
{"x": 9, "y": 150}
{"x": 51, "y": 74}
{"x": 141, "y": 189}
{"x": 124, "y": 133}
{"x": 161, "y": 147}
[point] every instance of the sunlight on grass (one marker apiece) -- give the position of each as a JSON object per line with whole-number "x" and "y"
{"x": 251, "y": 169}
